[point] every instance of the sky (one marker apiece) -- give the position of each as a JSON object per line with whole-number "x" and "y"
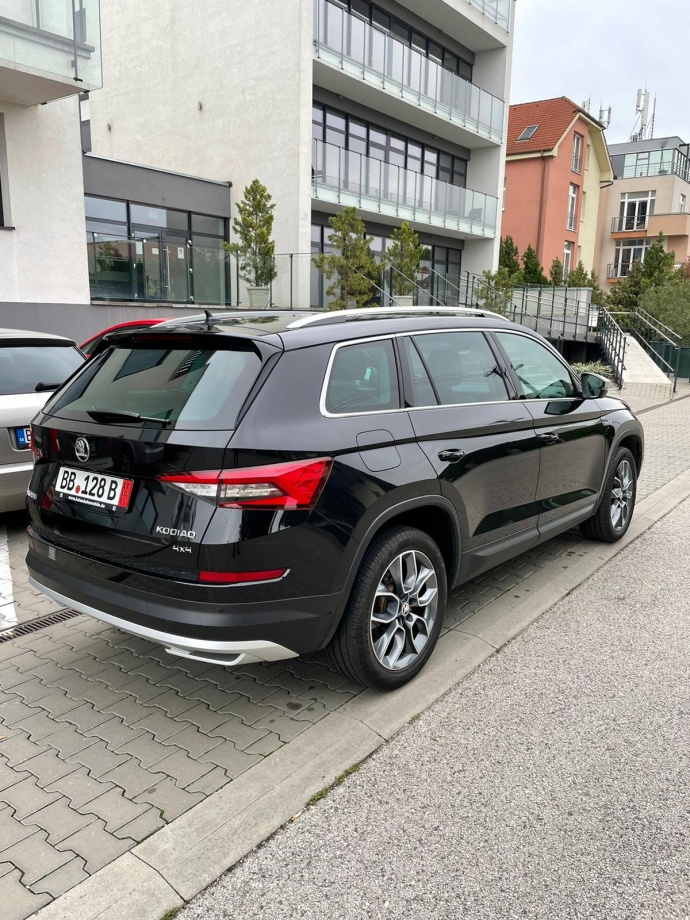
{"x": 605, "y": 50}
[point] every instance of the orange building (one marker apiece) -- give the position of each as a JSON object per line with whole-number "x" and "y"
{"x": 556, "y": 164}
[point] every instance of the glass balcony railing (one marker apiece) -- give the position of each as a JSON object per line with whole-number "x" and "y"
{"x": 55, "y": 39}
{"x": 153, "y": 270}
{"x": 351, "y": 178}
{"x": 357, "y": 48}
{"x": 496, "y": 10}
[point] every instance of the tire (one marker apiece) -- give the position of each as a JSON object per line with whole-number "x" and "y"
{"x": 612, "y": 518}
{"x": 384, "y": 640}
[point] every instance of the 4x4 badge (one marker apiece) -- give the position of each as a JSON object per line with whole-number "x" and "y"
{"x": 82, "y": 450}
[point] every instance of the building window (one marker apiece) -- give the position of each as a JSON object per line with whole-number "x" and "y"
{"x": 528, "y": 133}
{"x": 458, "y": 62}
{"x": 682, "y": 203}
{"x": 583, "y": 207}
{"x": 572, "y": 207}
{"x": 627, "y": 253}
{"x": 635, "y": 210}
{"x": 588, "y": 155}
{"x": 576, "y": 163}
{"x": 349, "y": 133}
{"x": 148, "y": 253}
{"x": 567, "y": 258}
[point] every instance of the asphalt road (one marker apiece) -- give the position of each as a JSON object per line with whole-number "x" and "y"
{"x": 554, "y": 782}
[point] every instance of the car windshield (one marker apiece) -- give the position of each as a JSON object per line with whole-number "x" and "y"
{"x": 183, "y": 386}
{"x": 24, "y": 367}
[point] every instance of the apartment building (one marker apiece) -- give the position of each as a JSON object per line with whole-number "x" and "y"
{"x": 556, "y": 166}
{"x": 49, "y": 54}
{"x": 395, "y": 106}
{"x": 650, "y": 195}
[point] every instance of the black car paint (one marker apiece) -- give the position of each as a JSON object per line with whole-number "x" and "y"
{"x": 386, "y": 464}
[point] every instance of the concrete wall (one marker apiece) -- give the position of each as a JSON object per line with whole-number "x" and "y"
{"x": 43, "y": 260}
{"x": 214, "y": 90}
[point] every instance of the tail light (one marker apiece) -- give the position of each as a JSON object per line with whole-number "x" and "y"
{"x": 294, "y": 486}
{"x": 32, "y": 442}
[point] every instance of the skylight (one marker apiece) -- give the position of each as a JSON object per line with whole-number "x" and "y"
{"x": 528, "y": 132}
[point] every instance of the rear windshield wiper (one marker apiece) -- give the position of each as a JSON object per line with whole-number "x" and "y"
{"x": 42, "y": 387}
{"x": 121, "y": 415}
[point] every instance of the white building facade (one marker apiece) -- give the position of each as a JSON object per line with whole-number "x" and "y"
{"x": 397, "y": 108}
{"x": 49, "y": 54}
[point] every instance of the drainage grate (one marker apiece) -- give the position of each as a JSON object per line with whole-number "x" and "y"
{"x": 14, "y": 632}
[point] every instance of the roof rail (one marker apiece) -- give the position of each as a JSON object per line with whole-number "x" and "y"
{"x": 341, "y": 316}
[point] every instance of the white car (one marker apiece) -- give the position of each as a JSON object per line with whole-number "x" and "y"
{"x": 32, "y": 366}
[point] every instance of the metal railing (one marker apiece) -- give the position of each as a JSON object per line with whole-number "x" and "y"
{"x": 351, "y": 178}
{"x": 576, "y": 163}
{"x": 618, "y": 270}
{"x": 496, "y": 10}
{"x": 357, "y": 48}
{"x": 612, "y": 341}
{"x": 651, "y": 170}
{"x": 662, "y": 344}
{"x": 629, "y": 222}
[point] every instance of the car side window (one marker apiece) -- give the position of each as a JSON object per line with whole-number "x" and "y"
{"x": 462, "y": 367}
{"x": 539, "y": 372}
{"x": 422, "y": 389}
{"x": 363, "y": 378}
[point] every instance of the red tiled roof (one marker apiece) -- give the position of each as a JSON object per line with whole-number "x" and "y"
{"x": 553, "y": 117}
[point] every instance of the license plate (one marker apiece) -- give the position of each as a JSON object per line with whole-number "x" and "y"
{"x": 95, "y": 489}
{"x": 23, "y": 436}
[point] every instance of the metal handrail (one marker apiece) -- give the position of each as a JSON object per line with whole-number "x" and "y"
{"x": 392, "y": 272}
{"x": 612, "y": 340}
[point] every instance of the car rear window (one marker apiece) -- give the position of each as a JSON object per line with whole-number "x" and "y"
{"x": 186, "y": 386}
{"x": 24, "y": 367}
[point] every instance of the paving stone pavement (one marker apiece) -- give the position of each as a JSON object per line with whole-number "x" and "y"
{"x": 105, "y": 738}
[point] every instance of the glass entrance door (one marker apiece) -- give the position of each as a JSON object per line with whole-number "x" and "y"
{"x": 175, "y": 267}
{"x": 148, "y": 265}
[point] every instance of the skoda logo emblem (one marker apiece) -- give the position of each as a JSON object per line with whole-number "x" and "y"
{"x": 81, "y": 450}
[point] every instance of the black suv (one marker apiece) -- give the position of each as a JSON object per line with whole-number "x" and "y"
{"x": 256, "y": 487}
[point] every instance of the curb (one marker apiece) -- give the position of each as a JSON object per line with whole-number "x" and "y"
{"x": 183, "y": 858}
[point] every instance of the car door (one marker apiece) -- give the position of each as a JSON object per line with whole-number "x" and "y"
{"x": 569, "y": 428}
{"x": 481, "y": 442}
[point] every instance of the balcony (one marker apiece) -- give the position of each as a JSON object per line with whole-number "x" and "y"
{"x": 629, "y": 223}
{"x": 351, "y": 46}
{"x": 349, "y": 178}
{"x": 49, "y": 49}
{"x": 617, "y": 271}
{"x": 498, "y": 11}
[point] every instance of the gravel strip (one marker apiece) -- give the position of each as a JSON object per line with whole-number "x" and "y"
{"x": 554, "y": 782}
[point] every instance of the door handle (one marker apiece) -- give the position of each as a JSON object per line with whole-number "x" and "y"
{"x": 451, "y": 455}
{"x": 549, "y": 437}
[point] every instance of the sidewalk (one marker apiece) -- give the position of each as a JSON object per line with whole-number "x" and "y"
{"x": 552, "y": 783}
{"x": 107, "y": 740}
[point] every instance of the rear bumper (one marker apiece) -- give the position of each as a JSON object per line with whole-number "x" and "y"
{"x": 14, "y": 481}
{"x": 235, "y": 632}
{"x": 216, "y": 651}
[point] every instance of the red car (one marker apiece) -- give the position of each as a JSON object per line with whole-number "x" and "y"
{"x": 133, "y": 325}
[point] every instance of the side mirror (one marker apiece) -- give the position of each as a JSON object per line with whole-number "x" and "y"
{"x": 594, "y": 386}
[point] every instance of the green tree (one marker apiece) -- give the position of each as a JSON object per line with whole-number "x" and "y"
{"x": 532, "y": 271}
{"x": 626, "y": 294}
{"x": 495, "y": 291}
{"x": 670, "y": 303}
{"x": 509, "y": 255}
{"x": 556, "y": 273}
{"x": 578, "y": 276}
{"x": 254, "y": 248}
{"x": 351, "y": 267}
{"x": 404, "y": 255}
{"x": 658, "y": 265}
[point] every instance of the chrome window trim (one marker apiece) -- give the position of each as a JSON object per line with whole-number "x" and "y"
{"x": 400, "y": 335}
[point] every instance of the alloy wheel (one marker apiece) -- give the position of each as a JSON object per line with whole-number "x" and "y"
{"x": 404, "y": 610}
{"x": 622, "y": 495}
